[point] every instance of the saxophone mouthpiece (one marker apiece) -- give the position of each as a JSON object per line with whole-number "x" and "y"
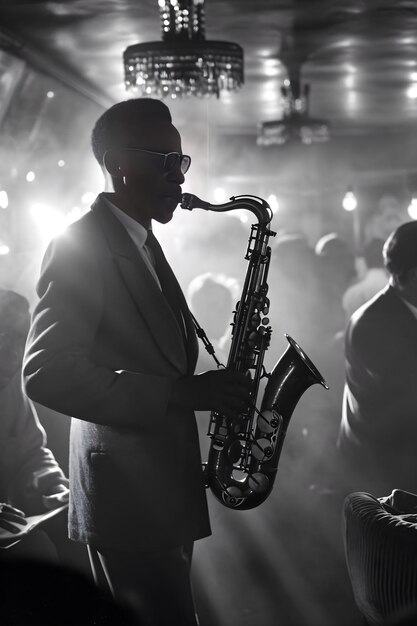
{"x": 186, "y": 201}
{"x": 190, "y": 201}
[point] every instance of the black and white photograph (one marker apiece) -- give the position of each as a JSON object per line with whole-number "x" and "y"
{"x": 208, "y": 312}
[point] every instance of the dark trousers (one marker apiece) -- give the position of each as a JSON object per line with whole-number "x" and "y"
{"x": 156, "y": 584}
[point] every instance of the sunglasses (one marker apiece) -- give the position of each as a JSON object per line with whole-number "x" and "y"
{"x": 172, "y": 160}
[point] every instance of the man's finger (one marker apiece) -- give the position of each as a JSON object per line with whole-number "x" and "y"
{"x": 11, "y": 527}
{"x": 12, "y": 517}
{"x": 8, "y": 508}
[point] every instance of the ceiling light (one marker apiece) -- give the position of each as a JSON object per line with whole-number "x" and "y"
{"x": 184, "y": 63}
{"x": 412, "y": 92}
{"x": 296, "y": 123}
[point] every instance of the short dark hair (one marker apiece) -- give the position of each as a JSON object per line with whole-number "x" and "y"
{"x": 400, "y": 251}
{"x": 112, "y": 127}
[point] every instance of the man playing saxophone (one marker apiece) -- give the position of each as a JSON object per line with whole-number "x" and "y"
{"x": 112, "y": 344}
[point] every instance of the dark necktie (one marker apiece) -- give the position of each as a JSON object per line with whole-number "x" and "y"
{"x": 166, "y": 276}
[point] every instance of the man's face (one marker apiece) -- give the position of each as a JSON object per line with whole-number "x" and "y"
{"x": 154, "y": 191}
{"x": 408, "y": 287}
{"x": 412, "y": 286}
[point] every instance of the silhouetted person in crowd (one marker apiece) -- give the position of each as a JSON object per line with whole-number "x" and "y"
{"x": 112, "y": 344}
{"x": 292, "y": 283}
{"x": 336, "y": 269}
{"x": 374, "y": 278}
{"x": 31, "y": 481}
{"x": 386, "y": 214}
{"x": 212, "y": 299}
{"x": 378, "y": 434}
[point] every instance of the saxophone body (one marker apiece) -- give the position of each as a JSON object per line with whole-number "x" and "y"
{"x": 245, "y": 451}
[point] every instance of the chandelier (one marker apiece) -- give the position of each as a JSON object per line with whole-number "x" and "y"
{"x": 184, "y": 63}
{"x": 296, "y": 123}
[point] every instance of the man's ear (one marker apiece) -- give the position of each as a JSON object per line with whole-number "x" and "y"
{"x": 111, "y": 163}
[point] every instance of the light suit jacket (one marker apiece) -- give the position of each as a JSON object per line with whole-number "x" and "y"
{"x": 104, "y": 348}
{"x": 27, "y": 467}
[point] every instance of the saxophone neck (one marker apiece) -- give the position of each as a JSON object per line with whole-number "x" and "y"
{"x": 256, "y": 205}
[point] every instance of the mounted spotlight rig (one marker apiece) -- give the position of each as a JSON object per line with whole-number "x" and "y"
{"x": 296, "y": 123}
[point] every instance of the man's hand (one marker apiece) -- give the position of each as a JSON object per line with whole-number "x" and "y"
{"x": 56, "y": 496}
{"x": 223, "y": 390}
{"x": 11, "y": 519}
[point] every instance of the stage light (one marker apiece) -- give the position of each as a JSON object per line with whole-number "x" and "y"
{"x": 49, "y": 221}
{"x": 273, "y": 202}
{"x": 296, "y": 124}
{"x": 412, "y": 209}
{"x": 88, "y": 197}
{"x": 349, "y": 201}
{"x": 220, "y": 195}
{"x": 412, "y": 92}
{"x": 4, "y": 199}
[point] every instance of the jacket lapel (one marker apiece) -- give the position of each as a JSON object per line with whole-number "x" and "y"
{"x": 143, "y": 288}
{"x": 192, "y": 343}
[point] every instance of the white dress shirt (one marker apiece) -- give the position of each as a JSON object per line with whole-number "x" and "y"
{"x": 138, "y": 234}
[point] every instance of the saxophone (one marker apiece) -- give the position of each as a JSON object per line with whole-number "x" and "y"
{"x": 244, "y": 451}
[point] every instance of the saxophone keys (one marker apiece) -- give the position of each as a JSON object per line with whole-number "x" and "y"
{"x": 234, "y": 451}
{"x": 255, "y": 320}
{"x": 234, "y": 492}
{"x": 268, "y": 421}
{"x": 258, "y": 482}
{"x": 262, "y": 450}
{"x": 253, "y": 339}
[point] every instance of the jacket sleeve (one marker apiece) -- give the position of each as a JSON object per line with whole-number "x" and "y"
{"x": 58, "y": 370}
{"x": 30, "y": 466}
{"x": 381, "y": 366}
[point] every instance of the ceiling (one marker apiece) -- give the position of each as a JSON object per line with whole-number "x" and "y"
{"x": 358, "y": 56}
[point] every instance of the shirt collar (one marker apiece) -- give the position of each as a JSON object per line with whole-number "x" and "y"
{"x": 134, "y": 228}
